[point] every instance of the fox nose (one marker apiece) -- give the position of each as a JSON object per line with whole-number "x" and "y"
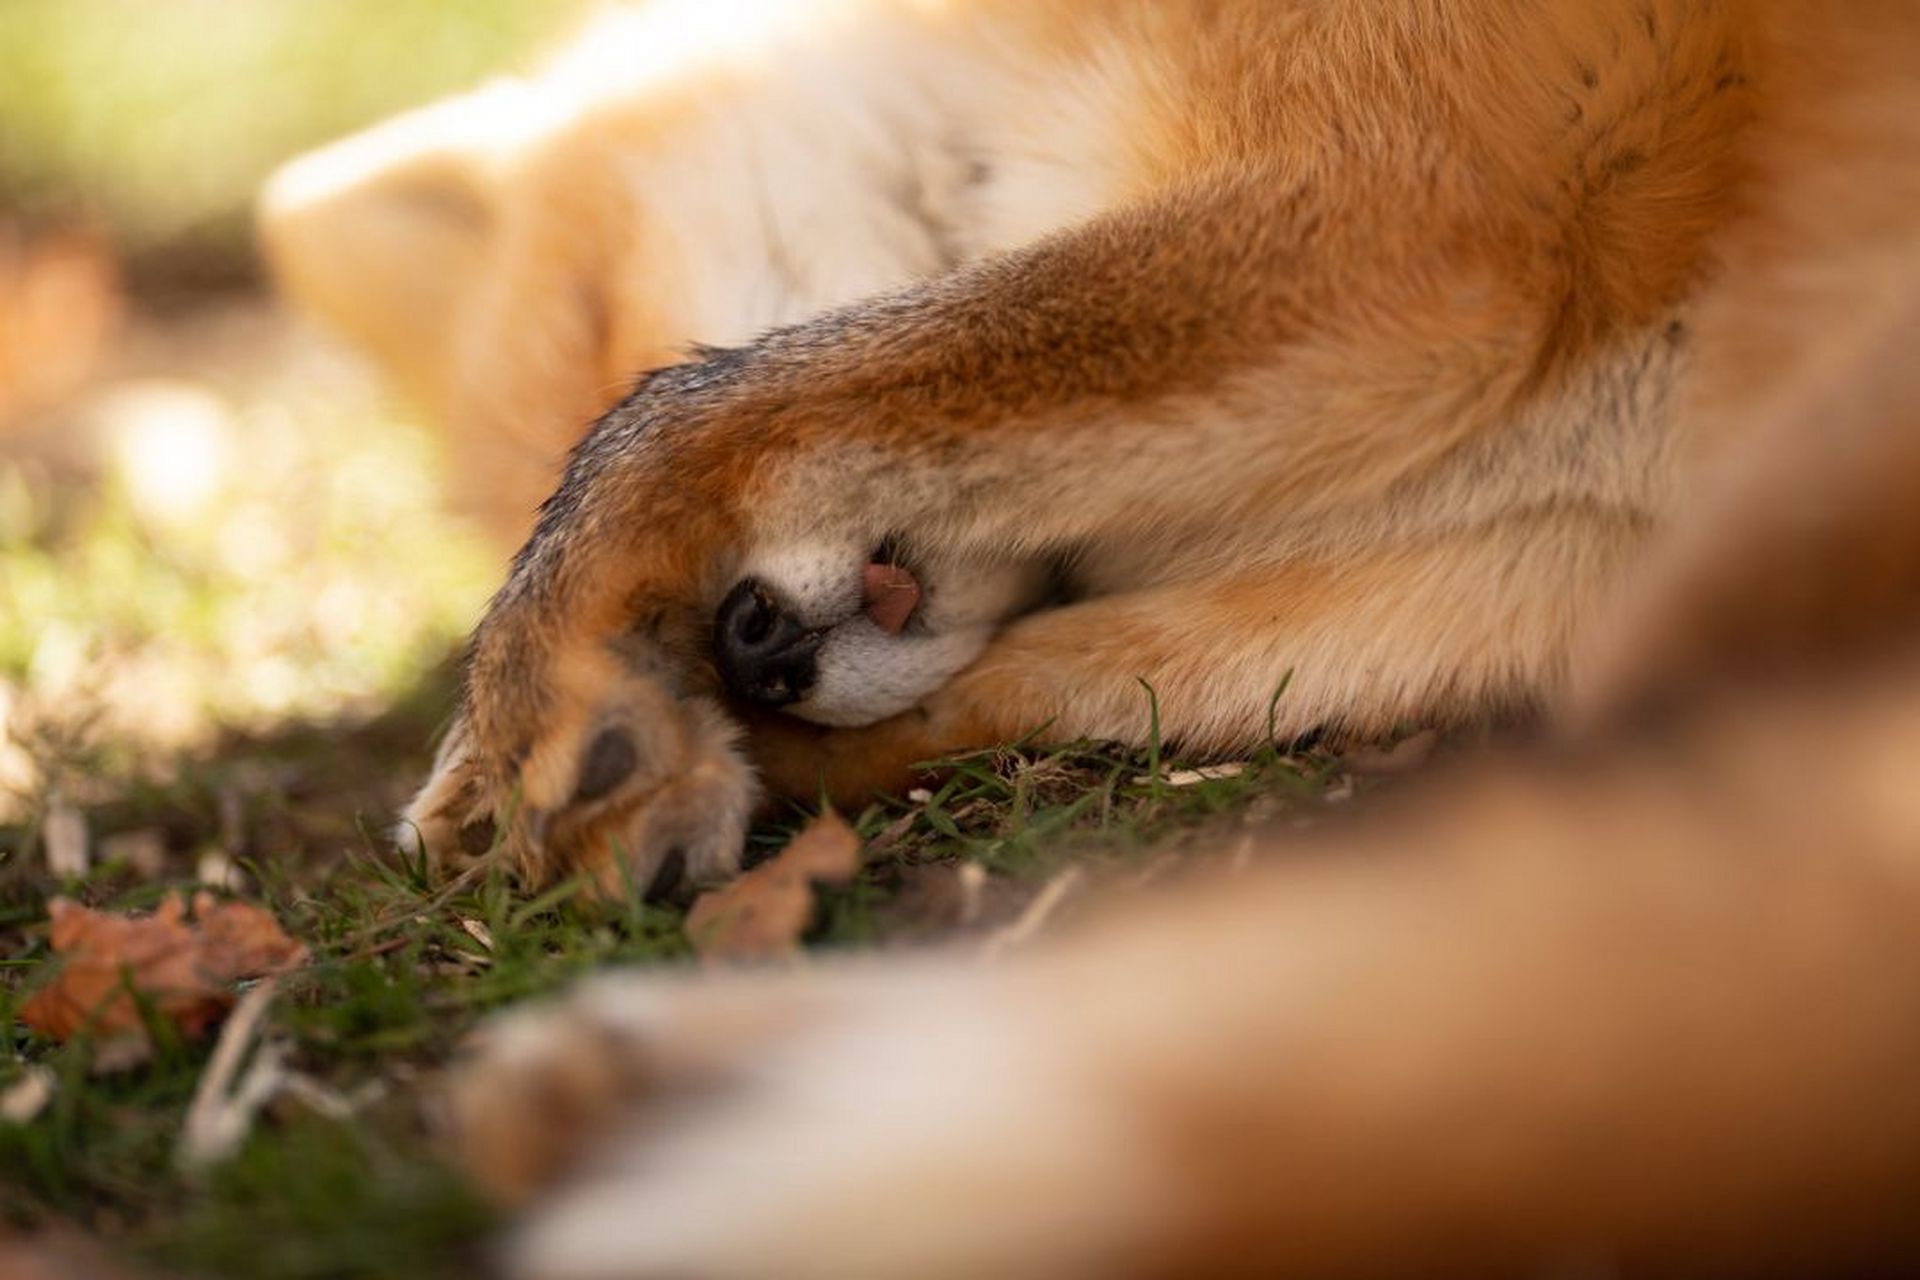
{"x": 764, "y": 654}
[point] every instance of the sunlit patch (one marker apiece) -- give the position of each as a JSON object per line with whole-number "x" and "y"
{"x": 653, "y": 43}
{"x": 267, "y": 546}
{"x": 19, "y": 773}
{"x": 171, "y": 445}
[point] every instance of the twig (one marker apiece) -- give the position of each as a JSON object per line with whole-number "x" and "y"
{"x": 217, "y": 1119}
{"x": 973, "y": 884}
{"x": 327, "y": 1102}
{"x": 439, "y": 898}
{"x": 1035, "y": 917}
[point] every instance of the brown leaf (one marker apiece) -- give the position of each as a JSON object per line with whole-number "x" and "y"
{"x": 761, "y": 915}
{"x": 239, "y": 940}
{"x": 186, "y": 969}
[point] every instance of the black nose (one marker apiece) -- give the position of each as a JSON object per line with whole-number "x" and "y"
{"x": 764, "y": 655}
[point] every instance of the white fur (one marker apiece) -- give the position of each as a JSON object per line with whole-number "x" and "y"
{"x": 865, "y": 674}
{"x": 806, "y": 192}
{"x": 828, "y": 151}
{"x": 817, "y": 581}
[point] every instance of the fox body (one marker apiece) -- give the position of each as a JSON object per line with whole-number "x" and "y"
{"x": 1411, "y": 361}
{"x": 1216, "y": 346}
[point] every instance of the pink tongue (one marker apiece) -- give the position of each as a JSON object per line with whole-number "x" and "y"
{"x": 889, "y": 594}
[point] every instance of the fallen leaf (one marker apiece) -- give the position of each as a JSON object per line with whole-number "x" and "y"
{"x": 761, "y": 915}
{"x": 240, "y": 940}
{"x": 98, "y": 948}
{"x": 185, "y": 969}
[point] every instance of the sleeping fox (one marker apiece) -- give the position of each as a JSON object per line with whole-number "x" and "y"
{"x": 1193, "y": 343}
{"x": 1434, "y": 362}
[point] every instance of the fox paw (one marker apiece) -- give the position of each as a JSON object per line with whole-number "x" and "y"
{"x": 637, "y": 787}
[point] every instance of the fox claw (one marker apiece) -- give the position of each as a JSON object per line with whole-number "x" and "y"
{"x": 626, "y": 783}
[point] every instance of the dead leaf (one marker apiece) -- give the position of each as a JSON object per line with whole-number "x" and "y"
{"x": 240, "y": 940}
{"x": 186, "y": 969}
{"x": 761, "y": 915}
{"x": 99, "y": 947}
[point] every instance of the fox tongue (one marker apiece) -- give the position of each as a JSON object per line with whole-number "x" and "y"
{"x": 889, "y": 594}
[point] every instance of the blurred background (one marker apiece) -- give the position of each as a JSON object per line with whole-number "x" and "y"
{"x": 215, "y": 527}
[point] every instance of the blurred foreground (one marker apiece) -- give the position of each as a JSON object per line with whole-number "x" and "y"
{"x": 226, "y": 588}
{"x": 212, "y": 522}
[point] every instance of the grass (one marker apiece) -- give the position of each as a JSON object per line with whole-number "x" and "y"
{"x": 400, "y": 976}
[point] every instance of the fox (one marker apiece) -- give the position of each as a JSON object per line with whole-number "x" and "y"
{"x": 956, "y": 368}
{"x": 1197, "y": 344}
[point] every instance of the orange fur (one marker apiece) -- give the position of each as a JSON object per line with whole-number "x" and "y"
{"x": 1336, "y": 352}
{"x": 1251, "y": 300}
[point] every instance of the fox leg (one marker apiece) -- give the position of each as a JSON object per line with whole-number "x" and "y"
{"x": 1187, "y": 365}
{"x": 1457, "y": 626}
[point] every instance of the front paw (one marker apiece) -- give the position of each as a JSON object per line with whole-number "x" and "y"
{"x": 617, "y": 778}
